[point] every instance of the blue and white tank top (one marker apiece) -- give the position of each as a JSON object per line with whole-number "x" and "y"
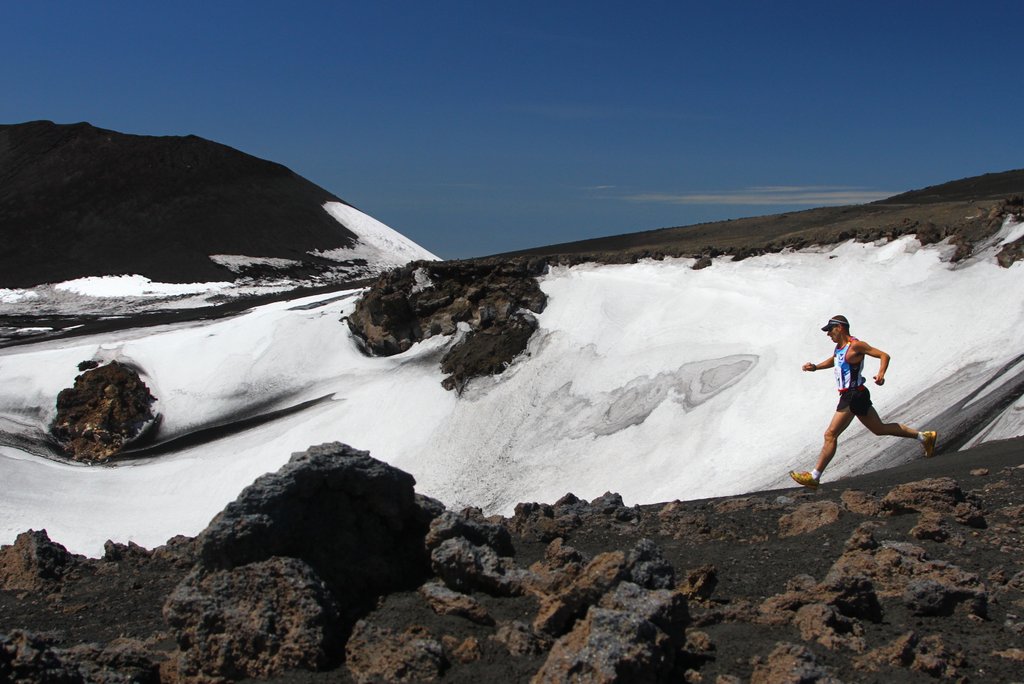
{"x": 848, "y": 375}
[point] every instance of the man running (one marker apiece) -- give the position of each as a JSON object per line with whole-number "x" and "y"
{"x": 854, "y": 397}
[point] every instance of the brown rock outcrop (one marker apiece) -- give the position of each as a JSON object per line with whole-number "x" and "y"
{"x": 808, "y": 517}
{"x": 444, "y": 601}
{"x": 466, "y": 567}
{"x": 546, "y": 522}
{"x": 903, "y": 570}
{"x": 378, "y": 654}
{"x": 791, "y": 664}
{"x": 34, "y": 563}
{"x": 108, "y": 407}
{"x": 940, "y": 495}
{"x": 633, "y": 635}
{"x": 557, "y": 612}
{"x": 471, "y": 525}
{"x": 256, "y": 620}
{"x": 27, "y": 658}
{"x": 830, "y": 628}
{"x": 929, "y": 655}
{"x": 643, "y": 566}
{"x": 519, "y": 640}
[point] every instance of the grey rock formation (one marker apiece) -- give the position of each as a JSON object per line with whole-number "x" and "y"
{"x": 423, "y": 299}
{"x": 285, "y": 570}
{"x": 353, "y": 519}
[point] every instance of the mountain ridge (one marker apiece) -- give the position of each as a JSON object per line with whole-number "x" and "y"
{"x": 77, "y": 201}
{"x": 967, "y": 210}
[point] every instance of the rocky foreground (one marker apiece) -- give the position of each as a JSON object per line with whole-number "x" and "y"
{"x": 334, "y": 569}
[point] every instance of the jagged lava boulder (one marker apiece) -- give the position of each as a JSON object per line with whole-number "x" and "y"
{"x": 493, "y": 301}
{"x": 107, "y": 408}
{"x": 355, "y": 520}
{"x": 285, "y": 570}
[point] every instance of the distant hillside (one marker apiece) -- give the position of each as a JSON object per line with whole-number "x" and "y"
{"x": 77, "y": 201}
{"x": 986, "y": 187}
{"x": 966, "y": 210}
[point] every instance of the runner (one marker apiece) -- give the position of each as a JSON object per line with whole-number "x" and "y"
{"x": 854, "y": 397}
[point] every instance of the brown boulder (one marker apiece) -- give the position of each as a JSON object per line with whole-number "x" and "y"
{"x": 790, "y": 664}
{"x": 289, "y": 566}
{"x": 256, "y": 620}
{"x": 700, "y": 583}
{"x": 633, "y": 635}
{"x": 379, "y": 654}
{"x": 940, "y": 495}
{"x": 444, "y": 601}
{"x": 34, "y": 563}
{"x": 519, "y": 640}
{"x": 902, "y": 570}
{"x": 107, "y": 408}
{"x": 850, "y": 596}
{"x": 547, "y": 522}
{"x": 929, "y": 655}
{"x": 860, "y": 502}
{"x": 27, "y": 658}
{"x": 830, "y": 628}
{"x": 643, "y": 566}
{"x": 560, "y": 566}
{"x": 558, "y": 612}
{"x": 464, "y": 566}
{"x": 808, "y": 517}
{"x": 472, "y": 526}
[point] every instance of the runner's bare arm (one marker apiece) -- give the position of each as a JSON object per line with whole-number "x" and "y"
{"x": 862, "y": 347}
{"x": 827, "y": 363}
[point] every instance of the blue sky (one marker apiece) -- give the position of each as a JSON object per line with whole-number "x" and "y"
{"x": 481, "y": 127}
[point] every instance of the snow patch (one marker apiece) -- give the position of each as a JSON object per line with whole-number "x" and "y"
{"x": 16, "y": 296}
{"x": 238, "y": 263}
{"x": 134, "y": 286}
{"x": 378, "y": 243}
{"x": 1011, "y": 231}
{"x": 421, "y": 280}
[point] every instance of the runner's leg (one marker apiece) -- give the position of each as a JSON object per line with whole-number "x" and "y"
{"x": 840, "y": 421}
{"x": 874, "y": 423}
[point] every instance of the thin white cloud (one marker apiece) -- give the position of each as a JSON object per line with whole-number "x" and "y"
{"x": 569, "y": 111}
{"x": 815, "y": 196}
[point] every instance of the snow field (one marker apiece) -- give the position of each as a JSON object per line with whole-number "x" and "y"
{"x": 652, "y": 380}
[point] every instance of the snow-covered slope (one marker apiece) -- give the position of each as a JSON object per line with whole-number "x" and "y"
{"x": 378, "y": 248}
{"x": 378, "y": 244}
{"x": 652, "y": 379}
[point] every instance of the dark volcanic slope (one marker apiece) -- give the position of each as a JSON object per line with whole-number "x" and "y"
{"x": 77, "y": 201}
{"x": 962, "y": 209}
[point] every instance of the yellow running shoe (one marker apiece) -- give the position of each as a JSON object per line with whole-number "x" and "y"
{"x": 929, "y": 443}
{"x": 804, "y": 479}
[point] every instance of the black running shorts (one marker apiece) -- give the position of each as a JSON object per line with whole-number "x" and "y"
{"x": 857, "y": 400}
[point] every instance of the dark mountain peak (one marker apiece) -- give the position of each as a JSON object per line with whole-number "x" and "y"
{"x": 77, "y": 200}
